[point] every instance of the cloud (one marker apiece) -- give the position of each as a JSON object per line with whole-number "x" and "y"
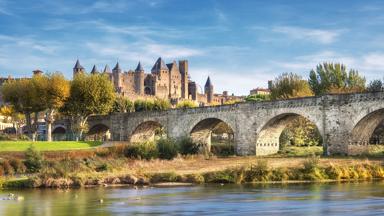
{"x": 318, "y": 35}
{"x": 4, "y": 9}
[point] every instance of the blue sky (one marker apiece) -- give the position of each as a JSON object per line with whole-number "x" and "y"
{"x": 240, "y": 44}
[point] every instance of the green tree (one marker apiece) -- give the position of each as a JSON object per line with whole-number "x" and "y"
{"x": 300, "y": 132}
{"x": 89, "y": 95}
{"x": 123, "y": 105}
{"x": 289, "y": 85}
{"x": 334, "y": 78}
{"x": 257, "y": 97}
{"x": 375, "y": 86}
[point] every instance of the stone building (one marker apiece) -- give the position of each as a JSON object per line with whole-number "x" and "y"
{"x": 166, "y": 81}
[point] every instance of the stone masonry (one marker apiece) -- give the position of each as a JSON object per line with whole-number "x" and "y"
{"x": 345, "y": 122}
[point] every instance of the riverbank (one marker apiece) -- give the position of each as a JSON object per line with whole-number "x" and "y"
{"x": 107, "y": 171}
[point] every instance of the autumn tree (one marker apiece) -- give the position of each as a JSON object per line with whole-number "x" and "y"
{"x": 54, "y": 90}
{"x": 334, "y": 78}
{"x": 89, "y": 95}
{"x": 289, "y": 85}
{"x": 22, "y": 95}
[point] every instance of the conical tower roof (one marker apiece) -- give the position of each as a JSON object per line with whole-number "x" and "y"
{"x": 78, "y": 65}
{"x": 208, "y": 83}
{"x": 139, "y": 67}
{"x": 159, "y": 65}
{"x": 107, "y": 69}
{"x": 94, "y": 70}
{"x": 117, "y": 67}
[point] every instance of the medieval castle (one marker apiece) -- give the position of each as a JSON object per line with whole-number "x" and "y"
{"x": 166, "y": 81}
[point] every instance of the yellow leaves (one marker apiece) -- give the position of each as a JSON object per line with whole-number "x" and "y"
{"x": 187, "y": 104}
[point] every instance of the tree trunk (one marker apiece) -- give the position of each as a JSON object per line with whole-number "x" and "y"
{"x": 29, "y": 124}
{"x": 49, "y": 120}
{"x": 35, "y": 125}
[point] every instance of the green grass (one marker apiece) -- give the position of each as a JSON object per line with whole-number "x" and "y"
{"x": 13, "y": 146}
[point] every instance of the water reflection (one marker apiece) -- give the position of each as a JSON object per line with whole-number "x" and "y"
{"x": 350, "y": 199}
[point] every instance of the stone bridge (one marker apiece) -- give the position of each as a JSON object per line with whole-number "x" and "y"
{"x": 345, "y": 122}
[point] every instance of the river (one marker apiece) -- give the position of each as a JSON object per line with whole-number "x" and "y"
{"x": 363, "y": 198}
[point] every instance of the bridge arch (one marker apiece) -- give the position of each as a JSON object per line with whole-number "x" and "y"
{"x": 362, "y": 132}
{"x": 268, "y": 134}
{"x": 59, "y": 133}
{"x": 203, "y": 131}
{"x": 99, "y": 131}
{"x": 147, "y": 131}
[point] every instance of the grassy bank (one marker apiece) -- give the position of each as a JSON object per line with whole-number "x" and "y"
{"x": 17, "y": 146}
{"x": 171, "y": 161}
{"x": 106, "y": 171}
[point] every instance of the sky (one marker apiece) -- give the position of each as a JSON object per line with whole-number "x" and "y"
{"x": 239, "y": 44}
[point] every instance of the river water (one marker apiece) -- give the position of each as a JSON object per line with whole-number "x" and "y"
{"x": 364, "y": 198}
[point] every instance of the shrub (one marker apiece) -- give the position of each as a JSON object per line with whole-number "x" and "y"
{"x": 33, "y": 159}
{"x": 258, "y": 172}
{"x": 18, "y": 165}
{"x": 145, "y": 150}
{"x": 103, "y": 167}
{"x": 8, "y": 169}
{"x": 187, "y": 104}
{"x": 312, "y": 170}
{"x": 167, "y": 148}
{"x": 187, "y": 146}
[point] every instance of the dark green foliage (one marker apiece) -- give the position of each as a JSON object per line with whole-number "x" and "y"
{"x": 257, "y": 97}
{"x": 33, "y": 160}
{"x": 334, "y": 78}
{"x": 145, "y": 150}
{"x": 375, "y": 86}
{"x": 102, "y": 167}
{"x": 187, "y": 146}
{"x": 167, "y": 148}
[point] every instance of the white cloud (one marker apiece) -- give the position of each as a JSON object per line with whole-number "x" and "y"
{"x": 318, "y": 35}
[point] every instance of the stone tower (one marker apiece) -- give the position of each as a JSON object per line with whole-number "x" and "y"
{"x": 183, "y": 68}
{"x": 116, "y": 74}
{"x": 161, "y": 82}
{"x": 139, "y": 79}
{"x": 78, "y": 68}
{"x": 208, "y": 90}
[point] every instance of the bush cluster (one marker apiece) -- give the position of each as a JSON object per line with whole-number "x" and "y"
{"x": 151, "y": 105}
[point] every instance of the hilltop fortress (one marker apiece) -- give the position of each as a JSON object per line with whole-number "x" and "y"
{"x": 166, "y": 81}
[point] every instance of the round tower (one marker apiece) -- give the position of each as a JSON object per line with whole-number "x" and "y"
{"x": 139, "y": 79}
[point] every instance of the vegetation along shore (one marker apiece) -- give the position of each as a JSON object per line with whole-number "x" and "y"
{"x": 167, "y": 160}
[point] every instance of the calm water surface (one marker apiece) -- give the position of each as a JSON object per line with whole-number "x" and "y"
{"x": 274, "y": 199}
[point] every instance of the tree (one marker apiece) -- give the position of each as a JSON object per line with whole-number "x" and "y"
{"x": 257, "y": 97}
{"x": 54, "y": 91}
{"x": 289, "y": 85}
{"x": 23, "y": 97}
{"x": 187, "y": 104}
{"x": 89, "y": 95}
{"x": 301, "y": 132}
{"x": 122, "y": 105}
{"x": 334, "y": 78}
{"x": 375, "y": 86}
